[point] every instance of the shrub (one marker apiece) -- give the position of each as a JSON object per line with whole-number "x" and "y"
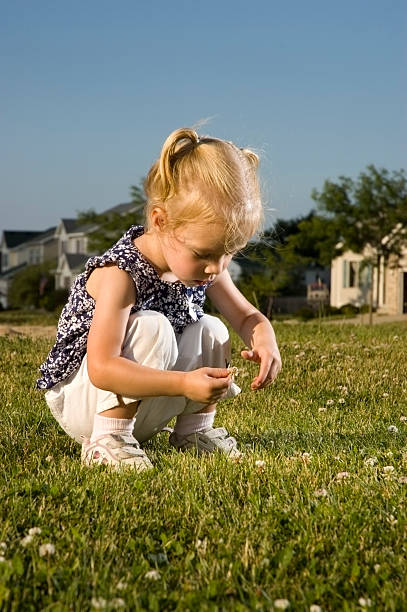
{"x": 305, "y": 313}
{"x": 349, "y": 310}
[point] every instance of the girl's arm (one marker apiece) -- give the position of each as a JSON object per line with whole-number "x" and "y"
{"x": 251, "y": 325}
{"x": 115, "y": 293}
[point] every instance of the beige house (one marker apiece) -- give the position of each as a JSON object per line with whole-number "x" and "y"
{"x": 20, "y": 249}
{"x": 350, "y": 283}
{"x": 69, "y": 266}
{"x": 73, "y": 251}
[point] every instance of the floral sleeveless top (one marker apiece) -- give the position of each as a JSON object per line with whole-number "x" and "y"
{"x": 180, "y": 304}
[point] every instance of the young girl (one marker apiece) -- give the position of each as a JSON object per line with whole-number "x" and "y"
{"x": 134, "y": 348}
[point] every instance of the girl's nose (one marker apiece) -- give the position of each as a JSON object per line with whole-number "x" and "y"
{"x": 215, "y": 267}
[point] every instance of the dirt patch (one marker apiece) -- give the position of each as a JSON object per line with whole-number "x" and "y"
{"x": 33, "y": 331}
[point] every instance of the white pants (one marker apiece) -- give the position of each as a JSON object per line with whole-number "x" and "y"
{"x": 150, "y": 340}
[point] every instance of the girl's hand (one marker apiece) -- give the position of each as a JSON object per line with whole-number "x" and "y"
{"x": 270, "y": 365}
{"x": 206, "y": 385}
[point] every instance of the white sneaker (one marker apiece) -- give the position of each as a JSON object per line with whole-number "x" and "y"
{"x": 115, "y": 450}
{"x": 207, "y": 441}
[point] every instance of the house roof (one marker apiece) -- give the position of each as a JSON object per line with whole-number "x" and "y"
{"x": 121, "y": 208}
{"x": 12, "y": 271}
{"x": 70, "y": 225}
{"x": 41, "y": 236}
{"x": 76, "y": 260}
{"x": 13, "y": 238}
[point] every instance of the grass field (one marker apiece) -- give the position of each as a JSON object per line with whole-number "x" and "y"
{"x": 320, "y": 525}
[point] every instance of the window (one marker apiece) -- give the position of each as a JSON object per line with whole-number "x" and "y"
{"x": 34, "y": 256}
{"x": 350, "y": 274}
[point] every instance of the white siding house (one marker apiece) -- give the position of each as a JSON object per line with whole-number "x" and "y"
{"x": 350, "y": 281}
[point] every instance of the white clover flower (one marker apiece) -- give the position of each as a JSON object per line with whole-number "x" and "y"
{"x": 371, "y": 461}
{"x": 392, "y": 429}
{"x": 306, "y": 457}
{"x": 341, "y": 400}
{"x": 121, "y": 585}
{"x": 315, "y": 608}
{"x": 34, "y": 531}
{"x": 321, "y": 493}
{"x": 3, "y": 546}
{"x": 322, "y": 409}
{"x": 46, "y": 550}
{"x": 329, "y": 402}
{"x": 26, "y": 540}
{"x": 391, "y": 519}
{"x": 403, "y": 419}
{"x": 152, "y": 575}
{"x": 281, "y": 604}
{"x": 403, "y": 480}
{"x": 388, "y": 469}
{"x": 98, "y": 603}
{"x": 342, "y": 475}
{"x": 385, "y": 395}
{"x": 260, "y": 465}
{"x": 2, "y": 559}
{"x": 365, "y": 602}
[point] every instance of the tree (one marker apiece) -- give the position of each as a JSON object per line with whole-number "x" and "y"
{"x": 33, "y": 287}
{"x": 273, "y": 268}
{"x": 315, "y": 240}
{"x": 368, "y": 214}
{"x": 110, "y": 226}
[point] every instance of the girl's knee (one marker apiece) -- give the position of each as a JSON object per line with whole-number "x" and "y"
{"x": 150, "y": 340}
{"x": 204, "y": 343}
{"x": 214, "y": 329}
{"x": 150, "y": 321}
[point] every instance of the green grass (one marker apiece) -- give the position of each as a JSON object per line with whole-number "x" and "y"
{"x": 219, "y": 535}
{"x": 28, "y": 317}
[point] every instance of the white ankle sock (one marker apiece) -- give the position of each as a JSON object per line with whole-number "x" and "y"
{"x": 192, "y": 423}
{"x": 107, "y": 425}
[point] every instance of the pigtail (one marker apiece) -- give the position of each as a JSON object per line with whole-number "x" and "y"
{"x": 252, "y": 157}
{"x": 177, "y": 145}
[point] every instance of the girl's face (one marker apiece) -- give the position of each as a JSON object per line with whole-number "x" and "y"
{"x": 195, "y": 253}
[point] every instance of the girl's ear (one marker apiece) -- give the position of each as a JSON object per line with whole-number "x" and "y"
{"x": 158, "y": 218}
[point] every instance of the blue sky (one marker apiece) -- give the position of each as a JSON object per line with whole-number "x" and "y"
{"x": 90, "y": 90}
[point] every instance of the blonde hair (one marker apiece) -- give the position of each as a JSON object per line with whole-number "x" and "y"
{"x": 209, "y": 180}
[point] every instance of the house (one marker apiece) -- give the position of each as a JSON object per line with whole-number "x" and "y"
{"x": 22, "y": 248}
{"x": 10, "y": 240}
{"x": 73, "y": 244}
{"x": 69, "y": 266}
{"x": 350, "y": 282}
{"x": 73, "y": 250}
{"x": 67, "y": 243}
{"x": 317, "y": 293}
